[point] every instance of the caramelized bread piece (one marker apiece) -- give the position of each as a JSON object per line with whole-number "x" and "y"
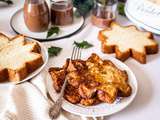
{"x": 74, "y": 78}
{"x": 90, "y": 101}
{"x": 76, "y": 69}
{"x": 72, "y": 95}
{"x": 65, "y": 66}
{"x": 4, "y": 75}
{"x": 124, "y": 90}
{"x": 76, "y": 65}
{"x": 128, "y": 41}
{"x": 88, "y": 89}
{"x": 58, "y": 77}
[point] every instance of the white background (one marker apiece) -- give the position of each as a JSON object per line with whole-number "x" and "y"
{"x": 146, "y": 105}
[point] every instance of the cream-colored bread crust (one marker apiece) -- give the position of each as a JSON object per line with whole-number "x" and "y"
{"x": 155, "y": 1}
{"x": 127, "y": 41}
{"x": 3, "y": 40}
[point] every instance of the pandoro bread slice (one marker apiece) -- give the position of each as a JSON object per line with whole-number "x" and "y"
{"x": 3, "y": 40}
{"x": 127, "y": 41}
{"x": 18, "y": 58}
{"x": 6, "y": 41}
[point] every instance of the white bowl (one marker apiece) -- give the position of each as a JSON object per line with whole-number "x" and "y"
{"x": 144, "y": 13}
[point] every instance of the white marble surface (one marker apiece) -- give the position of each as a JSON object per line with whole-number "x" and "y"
{"x": 146, "y": 105}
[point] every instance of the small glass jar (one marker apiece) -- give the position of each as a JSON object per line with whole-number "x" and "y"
{"x": 61, "y": 12}
{"x": 36, "y": 15}
{"x": 104, "y": 12}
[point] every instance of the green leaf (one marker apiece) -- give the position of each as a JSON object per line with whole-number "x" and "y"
{"x": 83, "y": 44}
{"x": 83, "y": 6}
{"x": 104, "y": 2}
{"x": 77, "y": 14}
{"x": 53, "y": 30}
{"x": 121, "y": 9}
{"x": 9, "y": 2}
{"x": 122, "y": 1}
{"x": 54, "y": 51}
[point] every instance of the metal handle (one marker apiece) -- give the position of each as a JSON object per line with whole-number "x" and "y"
{"x": 56, "y": 108}
{"x": 92, "y": 118}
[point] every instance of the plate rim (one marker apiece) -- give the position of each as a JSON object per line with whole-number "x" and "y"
{"x": 48, "y": 39}
{"x": 102, "y": 114}
{"x": 140, "y": 23}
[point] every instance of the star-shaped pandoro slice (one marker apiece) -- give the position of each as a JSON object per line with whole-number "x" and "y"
{"x": 19, "y": 58}
{"x": 127, "y": 41}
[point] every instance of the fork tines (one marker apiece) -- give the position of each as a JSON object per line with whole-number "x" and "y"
{"x": 76, "y": 53}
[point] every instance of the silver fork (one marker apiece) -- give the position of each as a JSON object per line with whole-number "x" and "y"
{"x": 55, "y": 110}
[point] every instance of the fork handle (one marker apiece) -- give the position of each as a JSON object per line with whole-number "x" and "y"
{"x": 56, "y": 108}
{"x": 63, "y": 88}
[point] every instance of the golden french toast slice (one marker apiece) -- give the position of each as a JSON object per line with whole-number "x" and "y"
{"x": 107, "y": 93}
{"x": 118, "y": 77}
{"x": 106, "y": 72}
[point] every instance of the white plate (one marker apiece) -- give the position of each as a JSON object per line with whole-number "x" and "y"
{"x": 144, "y": 14}
{"x": 18, "y": 25}
{"x": 45, "y": 56}
{"x": 102, "y": 109}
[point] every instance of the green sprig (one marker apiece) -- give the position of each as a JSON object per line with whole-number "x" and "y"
{"x": 121, "y": 9}
{"x": 83, "y": 44}
{"x": 53, "y": 30}
{"x": 54, "y": 51}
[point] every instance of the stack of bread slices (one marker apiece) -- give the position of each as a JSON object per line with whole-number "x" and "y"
{"x": 18, "y": 58}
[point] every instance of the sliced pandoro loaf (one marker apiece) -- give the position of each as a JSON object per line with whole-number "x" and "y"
{"x": 127, "y": 41}
{"x": 18, "y": 58}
